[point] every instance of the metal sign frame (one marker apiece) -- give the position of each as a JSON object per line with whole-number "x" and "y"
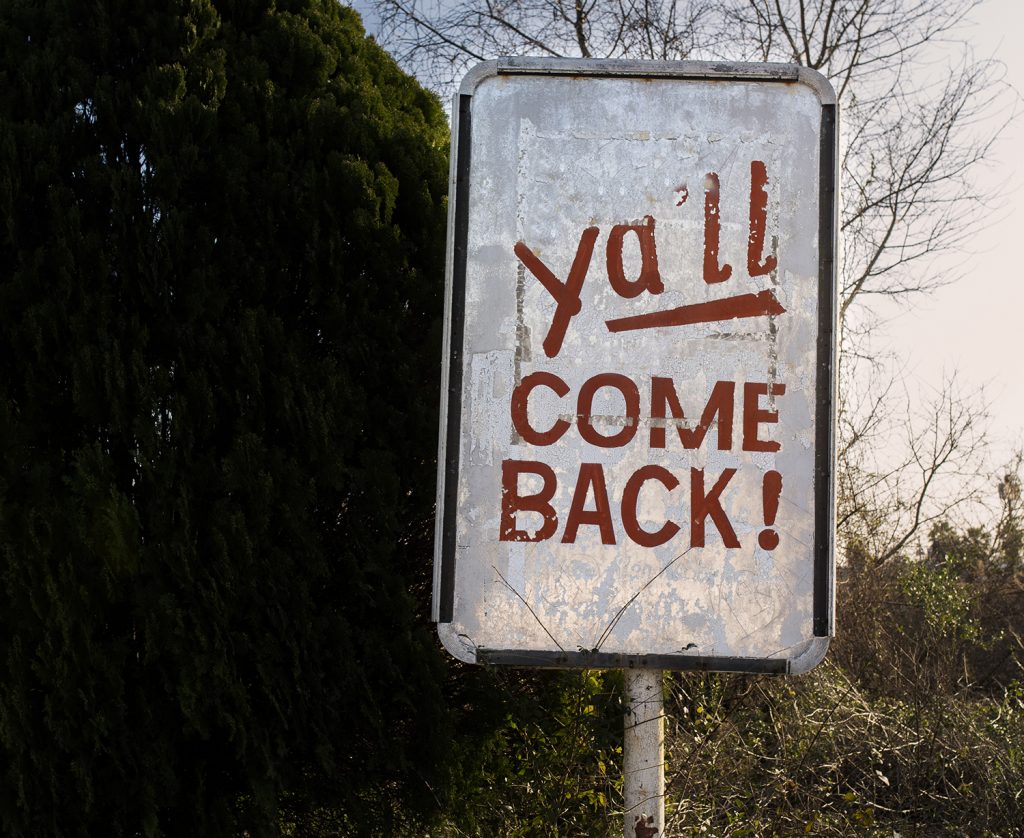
{"x": 453, "y": 421}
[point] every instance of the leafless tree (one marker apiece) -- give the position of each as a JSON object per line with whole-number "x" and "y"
{"x": 919, "y": 116}
{"x": 919, "y": 112}
{"x": 907, "y": 460}
{"x": 440, "y": 39}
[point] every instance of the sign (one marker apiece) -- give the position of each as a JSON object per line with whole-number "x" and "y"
{"x": 637, "y": 430}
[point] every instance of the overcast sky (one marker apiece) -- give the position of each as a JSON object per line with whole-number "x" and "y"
{"x": 975, "y": 327}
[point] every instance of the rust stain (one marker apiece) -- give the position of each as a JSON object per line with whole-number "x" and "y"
{"x": 644, "y": 826}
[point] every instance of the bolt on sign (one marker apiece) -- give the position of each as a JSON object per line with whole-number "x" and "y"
{"x": 637, "y": 416}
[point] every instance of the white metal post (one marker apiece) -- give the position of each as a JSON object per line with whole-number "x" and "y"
{"x": 643, "y": 755}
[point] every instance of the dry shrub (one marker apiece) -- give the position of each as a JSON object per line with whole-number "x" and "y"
{"x": 914, "y": 725}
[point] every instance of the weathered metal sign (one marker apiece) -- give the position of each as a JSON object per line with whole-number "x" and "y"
{"x": 636, "y": 446}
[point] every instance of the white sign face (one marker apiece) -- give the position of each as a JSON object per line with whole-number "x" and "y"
{"x": 636, "y": 452}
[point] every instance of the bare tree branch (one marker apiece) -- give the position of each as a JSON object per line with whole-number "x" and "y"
{"x": 920, "y": 115}
{"x": 916, "y": 105}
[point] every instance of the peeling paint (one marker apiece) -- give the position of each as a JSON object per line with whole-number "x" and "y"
{"x": 643, "y": 482}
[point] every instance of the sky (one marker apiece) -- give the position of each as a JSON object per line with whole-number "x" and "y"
{"x": 971, "y": 329}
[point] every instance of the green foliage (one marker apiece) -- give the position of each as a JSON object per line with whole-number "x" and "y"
{"x": 220, "y": 261}
{"x": 942, "y": 598}
{"x": 551, "y": 763}
{"x": 959, "y": 552}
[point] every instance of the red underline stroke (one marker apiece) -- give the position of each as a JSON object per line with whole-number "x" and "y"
{"x": 730, "y": 308}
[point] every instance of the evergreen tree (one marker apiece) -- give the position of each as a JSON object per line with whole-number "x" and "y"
{"x": 220, "y": 262}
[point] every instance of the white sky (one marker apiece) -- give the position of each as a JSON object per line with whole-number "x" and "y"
{"x": 973, "y": 328}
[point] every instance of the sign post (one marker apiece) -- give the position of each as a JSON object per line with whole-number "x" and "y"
{"x": 643, "y": 755}
{"x": 635, "y": 465}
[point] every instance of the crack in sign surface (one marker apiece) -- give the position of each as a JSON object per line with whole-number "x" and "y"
{"x": 614, "y": 620}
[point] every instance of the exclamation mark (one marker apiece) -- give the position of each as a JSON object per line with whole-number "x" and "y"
{"x": 770, "y": 492}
